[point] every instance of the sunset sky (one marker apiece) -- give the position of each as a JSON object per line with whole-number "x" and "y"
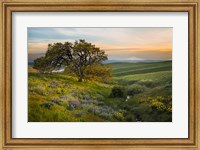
{"x": 118, "y": 43}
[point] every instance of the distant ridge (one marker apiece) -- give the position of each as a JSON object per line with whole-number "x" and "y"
{"x": 132, "y": 61}
{"x": 30, "y": 63}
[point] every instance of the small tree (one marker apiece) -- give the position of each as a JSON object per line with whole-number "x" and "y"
{"x": 77, "y": 57}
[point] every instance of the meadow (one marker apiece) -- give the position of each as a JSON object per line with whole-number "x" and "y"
{"x": 139, "y": 92}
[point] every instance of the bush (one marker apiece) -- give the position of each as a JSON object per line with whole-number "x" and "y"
{"x": 119, "y": 116}
{"x": 99, "y": 72}
{"x": 79, "y": 113}
{"x": 168, "y": 86}
{"x": 125, "y": 82}
{"x": 161, "y": 103}
{"x": 106, "y": 115}
{"x": 118, "y": 91}
{"x": 130, "y": 118}
{"x": 158, "y": 105}
{"x": 147, "y": 83}
{"x": 135, "y": 89}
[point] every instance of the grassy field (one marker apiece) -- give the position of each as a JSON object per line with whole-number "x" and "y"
{"x": 144, "y": 93}
{"x": 123, "y": 69}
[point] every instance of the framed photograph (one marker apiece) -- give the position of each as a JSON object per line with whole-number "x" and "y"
{"x": 107, "y": 75}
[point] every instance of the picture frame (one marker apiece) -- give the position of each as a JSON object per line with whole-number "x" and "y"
{"x": 10, "y": 6}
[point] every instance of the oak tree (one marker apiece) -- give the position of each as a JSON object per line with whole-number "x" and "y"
{"x": 77, "y": 57}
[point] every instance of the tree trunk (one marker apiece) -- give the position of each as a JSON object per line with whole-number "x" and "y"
{"x": 80, "y": 75}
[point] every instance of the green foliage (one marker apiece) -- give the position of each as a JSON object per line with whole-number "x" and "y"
{"x": 59, "y": 54}
{"x": 147, "y": 83}
{"x": 159, "y": 78}
{"x": 161, "y": 103}
{"x": 41, "y": 64}
{"x": 99, "y": 72}
{"x": 119, "y": 116}
{"x": 118, "y": 91}
{"x": 49, "y": 95}
{"x": 158, "y": 105}
{"x": 77, "y": 57}
{"x": 135, "y": 89}
{"x": 130, "y": 117}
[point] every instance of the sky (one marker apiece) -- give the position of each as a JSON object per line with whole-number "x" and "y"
{"x": 118, "y": 43}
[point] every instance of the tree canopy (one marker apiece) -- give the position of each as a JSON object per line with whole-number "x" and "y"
{"x": 77, "y": 56}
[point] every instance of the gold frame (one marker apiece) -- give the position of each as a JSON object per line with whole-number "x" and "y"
{"x": 9, "y": 6}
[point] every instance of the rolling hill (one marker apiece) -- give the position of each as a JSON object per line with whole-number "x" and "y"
{"x": 146, "y": 88}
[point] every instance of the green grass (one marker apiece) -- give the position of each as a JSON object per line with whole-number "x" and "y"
{"x": 41, "y": 91}
{"x": 123, "y": 69}
{"x": 162, "y": 77}
{"x": 97, "y": 103}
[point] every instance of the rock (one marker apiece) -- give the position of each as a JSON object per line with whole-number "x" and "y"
{"x": 74, "y": 103}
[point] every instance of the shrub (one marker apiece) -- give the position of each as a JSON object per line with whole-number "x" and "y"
{"x": 54, "y": 84}
{"x": 158, "y": 105}
{"x": 119, "y": 116}
{"x": 130, "y": 117}
{"x": 161, "y": 103}
{"x": 106, "y": 115}
{"x": 94, "y": 109}
{"x": 125, "y": 82}
{"x": 118, "y": 91}
{"x": 135, "y": 89}
{"x": 99, "y": 72}
{"x": 56, "y": 101}
{"x": 79, "y": 113}
{"x": 168, "y": 86}
{"x": 147, "y": 83}
{"x": 47, "y": 105}
{"x": 39, "y": 90}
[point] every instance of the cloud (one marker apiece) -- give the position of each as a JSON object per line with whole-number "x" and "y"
{"x": 34, "y": 48}
{"x": 124, "y": 41}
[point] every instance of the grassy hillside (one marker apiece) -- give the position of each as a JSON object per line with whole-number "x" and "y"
{"x": 50, "y": 95}
{"x": 159, "y": 78}
{"x": 123, "y": 69}
{"x": 145, "y": 88}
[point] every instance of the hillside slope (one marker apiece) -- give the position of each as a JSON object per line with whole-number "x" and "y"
{"x": 123, "y": 69}
{"x": 146, "y": 87}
